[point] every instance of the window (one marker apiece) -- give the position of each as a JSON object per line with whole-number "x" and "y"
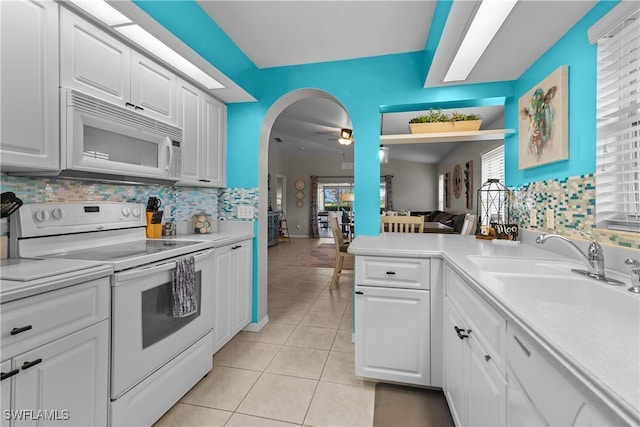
{"x": 493, "y": 165}
{"x": 618, "y": 122}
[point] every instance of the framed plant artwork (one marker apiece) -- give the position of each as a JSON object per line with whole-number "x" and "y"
{"x": 543, "y": 124}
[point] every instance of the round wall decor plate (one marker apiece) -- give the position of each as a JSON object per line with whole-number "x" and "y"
{"x": 299, "y": 203}
{"x": 299, "y": 195}
{"x": 300, "y": 184}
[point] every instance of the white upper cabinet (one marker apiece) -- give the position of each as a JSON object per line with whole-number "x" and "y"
{"x": 215, "y": 142}
{"x": 29, "y": 124}
{"x": 190, "y": 119}
{"x": 203, "y": 121}
{"x": 96, "y": 63}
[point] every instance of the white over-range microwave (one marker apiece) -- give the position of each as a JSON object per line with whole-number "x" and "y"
{"x": 104, "y": 140}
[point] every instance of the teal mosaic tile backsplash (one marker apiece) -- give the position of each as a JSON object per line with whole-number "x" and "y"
{"x": 184, "y": 202}
{"x": 573, "y": 202}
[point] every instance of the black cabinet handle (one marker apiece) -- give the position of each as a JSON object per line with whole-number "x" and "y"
{"x": 461, "y": 332}
{"x": 137, "y": 107}
{"x": 359, "y": 293}
{"x": 128, "y": 104}
{"x": 27, "y": 365}
{"x": 391, "y": 273}
{"x": 204, "y": 180}
{"x": 5, "y": 375}
{"x": 236, "y": 247}
{"x": 16, "y": 331}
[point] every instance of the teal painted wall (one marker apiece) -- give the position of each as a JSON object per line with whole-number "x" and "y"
{"x": 574, "y": 50}
{"x": 391, "y": 83}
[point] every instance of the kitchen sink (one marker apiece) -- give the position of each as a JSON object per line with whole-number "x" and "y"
{"x": 570, "y": 290}
{"x": 522, "y": 266}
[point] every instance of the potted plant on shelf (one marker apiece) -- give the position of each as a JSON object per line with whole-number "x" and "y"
{"x": 435, "y": 121}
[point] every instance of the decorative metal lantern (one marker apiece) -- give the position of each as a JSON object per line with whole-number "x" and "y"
{"x": 493, "y": 203}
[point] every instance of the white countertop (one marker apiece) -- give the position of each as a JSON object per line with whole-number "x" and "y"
{"x": 570, "y": 318}
{"x": 11, "y": 290}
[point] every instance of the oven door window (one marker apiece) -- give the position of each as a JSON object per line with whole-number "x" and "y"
{"x": 157, "y": 313}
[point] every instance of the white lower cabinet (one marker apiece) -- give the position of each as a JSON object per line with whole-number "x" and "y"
{"x": 5, "y": 391}
{"x": 232, "y": 295}
{"x": 474, "y": 384}
{"x": 393, "y": 319}
{"x": 66, "y": 379}
{"x": 56, "y": 345}
{"x": 392, "y": 335}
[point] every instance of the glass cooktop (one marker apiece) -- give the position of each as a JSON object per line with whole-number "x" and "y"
{"x": 128, "y": 250}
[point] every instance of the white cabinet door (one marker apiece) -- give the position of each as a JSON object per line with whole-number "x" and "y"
{"x": 190, "y": 119}
{"x": 241, "y": 258}
{"x": 233, "y": 266}
{"x": 96, "y": 63}
{"x": 29, "y": 123}
{"x": 454, "y": 364}
{"x": 392, "y": 334}
{"x": 475, "y": 389}
{"x": 222, "y": 298}
{"x": 215, "y": 143}
{"x": 153, "y": 89}
{"x": 5, "y": 390}
{"x": 487, "y": 388}
{"x": 69, "y": 374}
{"x": 92, "y": 61}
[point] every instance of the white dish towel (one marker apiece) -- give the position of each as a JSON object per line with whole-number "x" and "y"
{"x": 184, "y": 288}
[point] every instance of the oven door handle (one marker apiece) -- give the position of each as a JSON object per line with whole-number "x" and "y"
{"x": 155, "y": 268}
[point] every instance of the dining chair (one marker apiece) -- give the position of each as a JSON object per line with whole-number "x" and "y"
{"x": 401, "y": 224}
{"x": 469, "y": 224}
{"x": 341, "y": 250}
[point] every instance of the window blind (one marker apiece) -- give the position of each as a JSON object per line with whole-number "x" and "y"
{"x": 618, "y": 126}
{"x": 493, "y": 165}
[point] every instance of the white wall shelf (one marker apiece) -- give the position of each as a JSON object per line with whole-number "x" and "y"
{"x": 427, "y": 138}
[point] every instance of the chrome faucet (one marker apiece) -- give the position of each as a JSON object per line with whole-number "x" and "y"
{"x": 594, "y": 257}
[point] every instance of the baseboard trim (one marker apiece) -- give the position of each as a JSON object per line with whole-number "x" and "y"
{"x": 257, "y": 327}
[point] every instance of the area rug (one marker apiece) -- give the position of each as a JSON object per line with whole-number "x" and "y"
{"x": 323, "y": 255}
{"x": 397, "y": 405}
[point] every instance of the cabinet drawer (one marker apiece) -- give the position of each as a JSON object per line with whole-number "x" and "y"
{"x": 407, "y": 273}
{"x": 43, "y": 318}
{"x": 486, "y": 324}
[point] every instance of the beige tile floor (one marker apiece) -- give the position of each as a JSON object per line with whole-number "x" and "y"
{"x": 299, "y": 370}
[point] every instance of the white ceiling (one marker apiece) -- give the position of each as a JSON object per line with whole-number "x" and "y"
{"x": 278, "y": 33}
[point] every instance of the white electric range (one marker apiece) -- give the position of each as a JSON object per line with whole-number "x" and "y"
{"x": 155, "y": 357}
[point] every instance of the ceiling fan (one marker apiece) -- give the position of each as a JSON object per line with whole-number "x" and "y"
{"x": 345, "y": 136}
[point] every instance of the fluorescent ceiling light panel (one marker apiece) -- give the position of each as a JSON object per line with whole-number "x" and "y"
{"x": 119, "y": 22}
{"x": 486, "y": 23}
{"x": 102, "y": 11}
{"x": 143, "y": 38}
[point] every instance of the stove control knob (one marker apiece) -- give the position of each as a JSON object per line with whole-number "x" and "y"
{"x": 126, "y": 211}
{"x": 41, "y": 216}
{"x": 57, "y": 213}
{"x": 136, "y": 212}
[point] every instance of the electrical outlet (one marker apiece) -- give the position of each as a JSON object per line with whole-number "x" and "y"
{"x": 533, "y": 217}
{"x": 551, "y": 223}
{"x": 245, "y": 211}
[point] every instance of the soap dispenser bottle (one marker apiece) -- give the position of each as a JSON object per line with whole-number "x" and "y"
{"x": 635, "y": 275}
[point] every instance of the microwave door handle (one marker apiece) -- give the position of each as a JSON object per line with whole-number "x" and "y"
{"x": 169, "y": 146}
